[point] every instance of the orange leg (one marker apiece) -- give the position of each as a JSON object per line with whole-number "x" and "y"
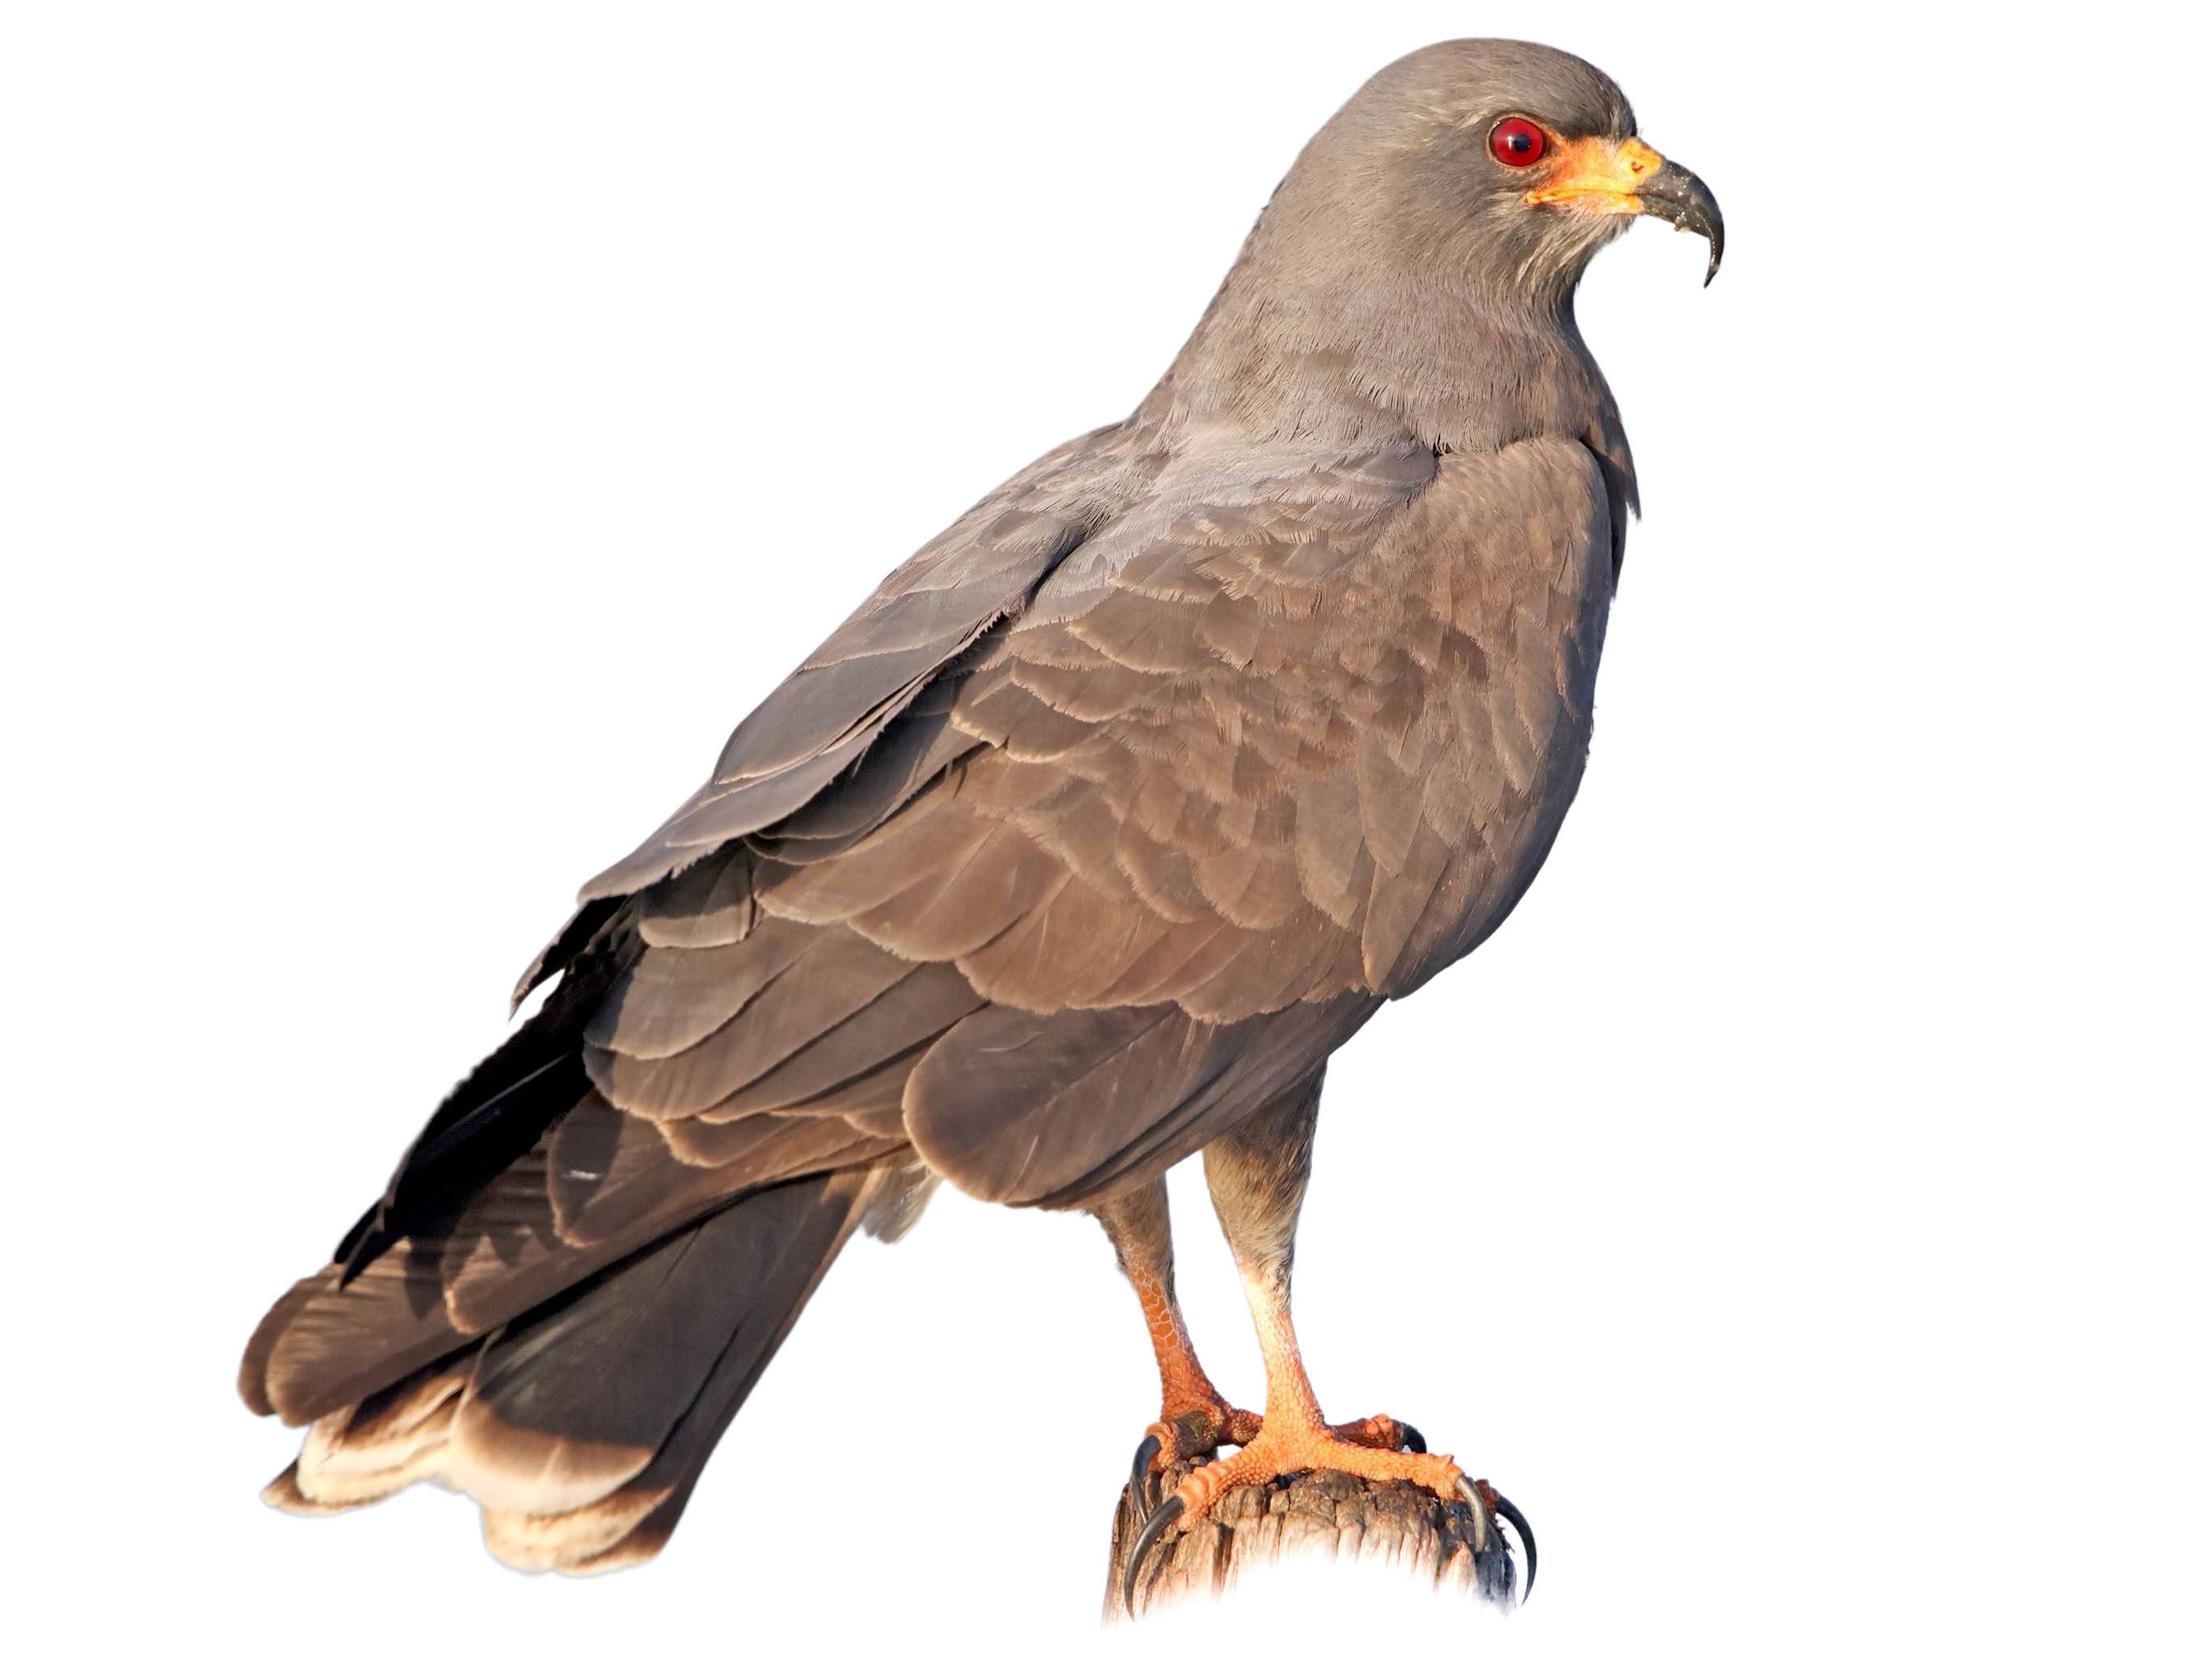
{"x": 1194, "y": 1419}
{"x": 1257, "y": 1173}
{"x": 1294, "y": 1437}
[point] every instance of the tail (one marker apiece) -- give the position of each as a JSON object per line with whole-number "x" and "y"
{"x": 582, "y": 1426}
{"x": 553, "y": 1308}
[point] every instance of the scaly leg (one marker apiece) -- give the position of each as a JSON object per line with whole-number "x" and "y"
{"x": 1194, "y": 1419}
{"x": 1257, "y": 1174}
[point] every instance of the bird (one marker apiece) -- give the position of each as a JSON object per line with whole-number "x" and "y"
{"x": 1076, "y": 850}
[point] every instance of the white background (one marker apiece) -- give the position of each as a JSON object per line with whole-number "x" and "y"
{"x": 428, "y": 427}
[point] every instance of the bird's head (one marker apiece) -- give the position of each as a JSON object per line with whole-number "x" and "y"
{"x": 1502, "y": 161}
{"x": 1417, "y": 266}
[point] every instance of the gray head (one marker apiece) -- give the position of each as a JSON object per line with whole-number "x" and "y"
{"x": 1425, "y": 247}
{"x": 1500, "y": 163}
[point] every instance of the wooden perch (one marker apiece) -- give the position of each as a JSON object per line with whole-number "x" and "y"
{"x": 1322, "y": 1512}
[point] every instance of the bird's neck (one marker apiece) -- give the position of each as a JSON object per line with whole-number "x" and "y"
{"x": 1291, "y": 351}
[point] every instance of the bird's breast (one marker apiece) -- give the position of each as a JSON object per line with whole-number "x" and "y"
{"x": 1457, "y": 666}
{"x": 1310, "y": 741}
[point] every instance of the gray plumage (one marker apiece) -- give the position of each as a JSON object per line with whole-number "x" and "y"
{"x": 1090, "y": 835}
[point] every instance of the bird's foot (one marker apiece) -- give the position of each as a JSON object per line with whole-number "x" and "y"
{"x": 1369, "y": 1449}
{"x": 1203, "y": 1429}
{"x": 1199, "y": 1430}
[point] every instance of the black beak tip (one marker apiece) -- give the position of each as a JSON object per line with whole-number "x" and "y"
{"x": 1680, "y": 197}
{"x": 1707, "y": 224}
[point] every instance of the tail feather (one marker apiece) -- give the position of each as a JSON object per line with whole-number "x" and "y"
{"x": 390, "y": 1440}
{"x": 582, "y": 1427}
{"x": 598, "y": 1186}
{"x": 557, "y": 1306}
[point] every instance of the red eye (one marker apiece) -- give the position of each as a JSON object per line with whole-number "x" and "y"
{"x": 1518, "y": 141}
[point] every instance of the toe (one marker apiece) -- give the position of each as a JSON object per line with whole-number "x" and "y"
{"x": 1384, "y": 1433}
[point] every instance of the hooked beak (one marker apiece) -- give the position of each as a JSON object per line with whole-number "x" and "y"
{"x": 1596, "y": 176}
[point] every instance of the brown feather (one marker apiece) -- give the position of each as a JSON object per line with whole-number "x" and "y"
{"x": 1090, "y": 835}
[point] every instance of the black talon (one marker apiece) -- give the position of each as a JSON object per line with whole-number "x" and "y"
{"x": 1486, "y": 1500}
{"x": 1141, "y": 1476}
{"x": 1162, "y": 1517}
{"x": 1506, "y": 1507}
{"x": 1471, "y": 1495}
{"x": 1412, "y": 1438}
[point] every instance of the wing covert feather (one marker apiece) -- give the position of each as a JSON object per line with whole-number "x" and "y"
{"x": 819, "y": 722}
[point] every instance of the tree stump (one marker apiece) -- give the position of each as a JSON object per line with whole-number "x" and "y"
{"x": 1322, "y": 1512}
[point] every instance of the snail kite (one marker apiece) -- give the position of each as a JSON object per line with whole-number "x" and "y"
{"x": 1076, "y": 850}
